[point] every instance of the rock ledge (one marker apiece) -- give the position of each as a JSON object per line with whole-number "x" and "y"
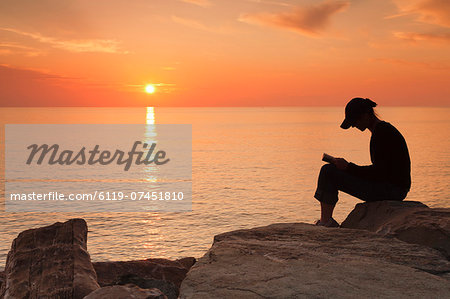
{"x": 297, "y": 260}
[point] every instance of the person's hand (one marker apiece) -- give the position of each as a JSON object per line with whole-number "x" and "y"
{"x": 340, "y": 163}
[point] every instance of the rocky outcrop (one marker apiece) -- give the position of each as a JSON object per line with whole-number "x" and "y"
{"x": 2, "y": 280}
{"x": 50, "y": 262}
{"x": 409, "y": 221}
{"x": 164, "y": 273}
{"x": 382, "y": 255}
{"x": 53, "y": 262}
{"x": 126, "y": 291}
{"x": 109, "y": 273}
{"x": 303, "y": 261}
{"x": 186, "y": 262}
{"x": 166, "y": 287}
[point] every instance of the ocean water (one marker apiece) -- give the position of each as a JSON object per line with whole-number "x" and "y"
{"x": 250, "y": 167}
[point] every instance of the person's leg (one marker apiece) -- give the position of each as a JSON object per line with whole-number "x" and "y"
{"x": 326, "y": 212}
{"x": 368, "y": 190}
{"x": 332, "y": 180}
{"x": 327, "y": 191}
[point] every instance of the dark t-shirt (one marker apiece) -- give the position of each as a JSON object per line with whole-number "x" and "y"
{"x": 390, "y": 158}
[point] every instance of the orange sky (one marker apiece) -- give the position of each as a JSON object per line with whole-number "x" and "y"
{"x": 224, "y": 52}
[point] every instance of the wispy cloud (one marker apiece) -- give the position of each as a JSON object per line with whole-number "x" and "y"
{"x": 161, "y": 87}
{"x": 77, "y": 46}
{"x": 435, "y": 12}
{"x": 38, "y": 75}
{"x": 420, "y": 64}
{"x": 202, "y": 3}
{"x": 11, "y": 48}
{"x": 51, "y": 79}
{"x": 307, "y": 20}
{"x": 38, "y": 87}
{"x": 200, "y": 26}
{"x": 190, "y": 23}
{"x": 278, "y": 3}
{"x": 417, "y": 37}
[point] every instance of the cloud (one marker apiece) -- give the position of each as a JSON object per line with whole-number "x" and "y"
{"x": 435, "y": 12}
{"x": 27, "y": 87}
{"x": 202, "y": 3}
{"x": 420, "y": 64}
{"x": 38, "y": 75}
{"x": 12, "y": 48}
{"x": 35, "y": 88}
{"x": 190, "y": 23}
{"x": 77, "y": 46}
{"x": 307, "y": 20}
{"x": 200, "y": 26}
{"x": 279, "y": 3}
{"x": 54, "y": 15}
{"x": 417, "y": 37}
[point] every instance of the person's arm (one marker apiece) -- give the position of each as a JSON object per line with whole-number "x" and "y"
{"x": 366, "y": 171}
{"x": 384, "y": 144}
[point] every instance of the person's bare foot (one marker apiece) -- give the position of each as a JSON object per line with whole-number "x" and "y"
{"x": 329, "y": 223}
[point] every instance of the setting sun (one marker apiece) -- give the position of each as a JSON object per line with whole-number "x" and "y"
{"x": 149, "y": 88}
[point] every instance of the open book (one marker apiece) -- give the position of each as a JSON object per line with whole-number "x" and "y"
{"x": 327, "y": 158}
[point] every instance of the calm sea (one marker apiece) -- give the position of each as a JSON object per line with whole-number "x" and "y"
{"x": 250, "y": 167}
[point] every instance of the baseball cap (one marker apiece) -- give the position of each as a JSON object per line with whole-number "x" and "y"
{"x": 354, "y": 109}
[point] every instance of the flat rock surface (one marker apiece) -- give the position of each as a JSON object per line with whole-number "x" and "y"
{"x": 50, "y": 262}
{"x": 409, "y": 221}
{"x": 297, "y": 260}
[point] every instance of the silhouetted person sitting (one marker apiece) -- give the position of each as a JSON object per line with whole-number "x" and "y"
{"x": 389, "y": 176}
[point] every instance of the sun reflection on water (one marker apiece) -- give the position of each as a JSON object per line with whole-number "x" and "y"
{"x": 150, "y": 136}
